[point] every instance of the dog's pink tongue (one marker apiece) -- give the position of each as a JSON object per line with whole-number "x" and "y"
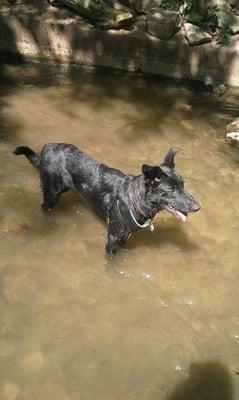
{"x": 176, "y": 213}
{"x": 180, "y": 216}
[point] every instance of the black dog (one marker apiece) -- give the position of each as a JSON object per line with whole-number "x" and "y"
{"x": 127, "y": 202}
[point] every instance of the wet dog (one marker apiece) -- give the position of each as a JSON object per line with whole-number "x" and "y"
{"x": 126, "y": 202}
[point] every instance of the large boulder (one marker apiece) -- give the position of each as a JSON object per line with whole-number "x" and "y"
{"x": 195, "y": 35}
{"x": 161, "y": 23}
{"x": 99, "y": 12}
{"x": 225, "y": 16}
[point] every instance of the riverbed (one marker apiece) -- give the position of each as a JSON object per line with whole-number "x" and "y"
{"x": 159, "y": 322}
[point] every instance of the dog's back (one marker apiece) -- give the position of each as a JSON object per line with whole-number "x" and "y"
{"x": 67, "y": 160}
{"x": 71, "y": 164}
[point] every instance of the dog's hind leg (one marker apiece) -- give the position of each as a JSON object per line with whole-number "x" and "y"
{"x": 52, "y": 188}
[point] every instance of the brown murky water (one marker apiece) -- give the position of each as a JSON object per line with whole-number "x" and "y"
{"x": 164, "y": 323}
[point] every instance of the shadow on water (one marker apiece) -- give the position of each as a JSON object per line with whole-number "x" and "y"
{"x": 8, "y": 127}
{"x": 206, "y": 381}
{"x": 166, "y": 234}
{"x": 138, "y": 93}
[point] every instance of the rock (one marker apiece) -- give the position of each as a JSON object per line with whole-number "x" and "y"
{"x": 181, "y": 106}
{"x": 153, "y": 4}
{"x": 233, "y": 126}
{"x": 234, "y": 136}
{"x": 98, "y": 12}
{"x": 225, "y": 17}
{"x": 161, "y": 23}
{"x": 234, "y": 27}
{"x": 233, "y": 131}
{"x": 208, "y": 81}
{"x": 219, "y": 3}
{"x": 195, "y": 35}
{"x": 219, "y": 90}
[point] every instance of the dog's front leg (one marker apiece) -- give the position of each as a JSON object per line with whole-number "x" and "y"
{"x": 118, "y": 231}
{"x": 112, "y": 244}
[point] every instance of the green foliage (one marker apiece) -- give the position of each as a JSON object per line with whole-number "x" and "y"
{"x": 193, "y": 18}
{"x": 189, "y": 10}
{"x": 172, "y": 5}
{"x": 223, "y": 37}
{"x": 213, "y": 16}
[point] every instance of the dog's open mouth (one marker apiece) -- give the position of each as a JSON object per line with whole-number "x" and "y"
{"x": 178, "y": 214}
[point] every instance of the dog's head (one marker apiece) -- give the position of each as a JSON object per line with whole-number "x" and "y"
{"x": 165, "y": 188}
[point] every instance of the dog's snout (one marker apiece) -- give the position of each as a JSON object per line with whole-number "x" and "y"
{"x": 195, "y": 206}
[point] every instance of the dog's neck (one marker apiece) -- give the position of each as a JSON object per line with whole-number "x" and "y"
{"x": 138, "y": 209}
{"x": 137, "y": 200}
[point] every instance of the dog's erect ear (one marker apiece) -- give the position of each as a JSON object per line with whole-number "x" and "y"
{"x": 169, "y": 158}
{"x": 152, "y": 173}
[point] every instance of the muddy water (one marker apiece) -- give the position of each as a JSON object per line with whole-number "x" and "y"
{"x": 161, "y": 322}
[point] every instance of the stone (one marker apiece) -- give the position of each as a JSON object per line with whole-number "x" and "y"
{"x": 234, "y": 26}
{"x": 219, "y": 90}
{"x": 98, "y": 12}
{"x": 233, "y": 126}
{"x": 153, "y": 4}
{"x": 233, "y": 136}
{"x": 161, "y": 23}
{"x": 225, "y": 17}
{"x": 195, "y": 35}
{"x": 233, "y": 131}
{"x": 208, "y": 81}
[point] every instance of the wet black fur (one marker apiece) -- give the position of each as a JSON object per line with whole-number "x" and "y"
{"x": 64, "y": 167}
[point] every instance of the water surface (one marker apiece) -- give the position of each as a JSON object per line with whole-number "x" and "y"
{"x": 162, "y": 322}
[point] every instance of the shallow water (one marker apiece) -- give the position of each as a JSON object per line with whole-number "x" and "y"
{"x": 161, "y": 322}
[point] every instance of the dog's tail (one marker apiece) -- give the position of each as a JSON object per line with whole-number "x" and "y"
{"x": 30, "y": 154}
